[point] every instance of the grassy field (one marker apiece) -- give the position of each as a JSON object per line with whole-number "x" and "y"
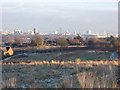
{"x": 60, "y": 74}
{"x": 82, "y": 55}
{"x": 77, "y": 69}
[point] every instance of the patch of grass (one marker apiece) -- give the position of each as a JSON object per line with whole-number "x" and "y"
{"x": 84, "y": 55}
{"x": 83, "y": 74}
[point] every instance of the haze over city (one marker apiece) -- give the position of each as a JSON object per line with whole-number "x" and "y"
{"x": 66, "y": 15}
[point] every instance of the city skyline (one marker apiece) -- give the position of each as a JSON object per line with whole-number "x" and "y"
{"x": 50, "y": 15}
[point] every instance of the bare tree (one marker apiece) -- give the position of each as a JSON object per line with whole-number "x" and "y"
{"x": 18, "y": 40}
{"x": 62, "y": 41}
{"x": 37, "y": 40}
{"x": 40, "y": 40}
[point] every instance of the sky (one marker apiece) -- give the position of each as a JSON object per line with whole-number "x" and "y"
{"x": 48, "y": 16}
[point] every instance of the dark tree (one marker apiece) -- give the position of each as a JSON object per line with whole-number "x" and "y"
{"x": 62, "y": 41}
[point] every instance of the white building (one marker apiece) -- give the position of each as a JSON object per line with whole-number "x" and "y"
{"x": 17, "y": 32}
{"x": 75, "y": 33}
{"x": 101, "y": 36}
{"x": 89, "y": 34}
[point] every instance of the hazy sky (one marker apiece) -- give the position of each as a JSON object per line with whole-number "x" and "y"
{"x": 51, "y": 15}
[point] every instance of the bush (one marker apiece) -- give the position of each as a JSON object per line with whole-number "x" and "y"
{"x": 37, "y": 40}
{"x": 62, "y": 41}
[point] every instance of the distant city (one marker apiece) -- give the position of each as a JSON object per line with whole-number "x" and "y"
{"x": 87, "y": 33}
{"x": 25, "y": 37}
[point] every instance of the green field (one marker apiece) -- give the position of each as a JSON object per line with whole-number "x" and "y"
{"x": 82, "y": 55}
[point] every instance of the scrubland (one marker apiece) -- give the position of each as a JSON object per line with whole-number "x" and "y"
{"x": 60, "y": 74}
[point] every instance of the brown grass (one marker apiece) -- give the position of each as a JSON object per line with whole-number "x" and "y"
{"x": 57, "y": 74}
{"x": 77, "y": 62}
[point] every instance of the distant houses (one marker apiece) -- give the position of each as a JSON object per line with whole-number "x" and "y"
{"x": 51, "y": 42}
{"x": 75, "y": 42}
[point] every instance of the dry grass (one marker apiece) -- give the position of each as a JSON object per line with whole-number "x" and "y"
{"x": 57, "y": 74}
{"x": 77, "y": 62}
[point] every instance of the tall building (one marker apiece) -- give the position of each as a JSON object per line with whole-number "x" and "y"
{"x": 75, "y": 33}
{"x": 34, "y": 31}
{"x": 89, "y": 32}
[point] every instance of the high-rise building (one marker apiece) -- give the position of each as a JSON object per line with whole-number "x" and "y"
{"x": 75, "y": 33}
{"x": 89, "y": 32}
{"x": 34, "y": 31}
